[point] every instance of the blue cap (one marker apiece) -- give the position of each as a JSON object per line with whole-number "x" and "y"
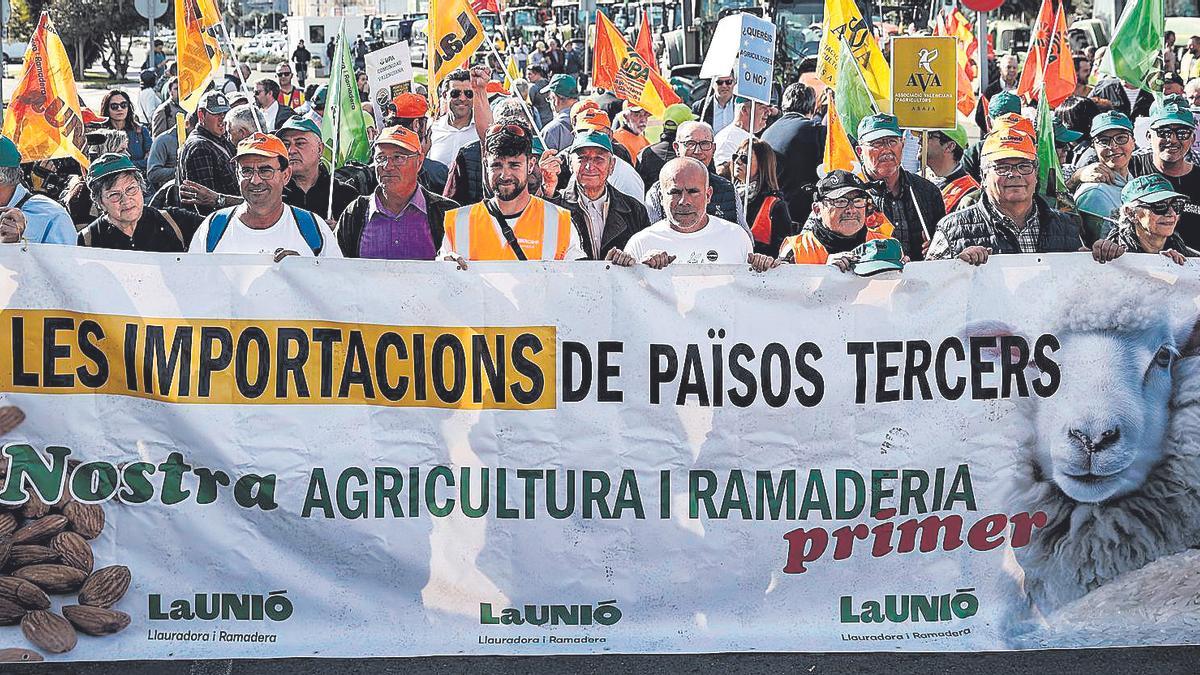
{"x": 1002, "y": 103}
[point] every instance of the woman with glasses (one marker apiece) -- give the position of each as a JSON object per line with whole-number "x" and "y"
{"x": 1112, "y": 139}
{"x": 119, "y": 189}
{"x": 767, "y": 210}
{"x": 1172, "y": 135}
{"x": 117, "y": 105}
{"x": 1146, "y": 222}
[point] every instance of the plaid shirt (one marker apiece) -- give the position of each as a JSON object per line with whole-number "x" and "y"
{"x": 208, "y": 160}
{"x": 1028, "y": 238}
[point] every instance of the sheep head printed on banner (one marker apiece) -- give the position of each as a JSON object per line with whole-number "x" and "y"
{"x": 1113, "y": 458}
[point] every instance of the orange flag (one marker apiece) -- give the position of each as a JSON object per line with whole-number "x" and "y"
{"x": 43, "y": 119}
{"x": 955, "y": 25}
{"x": 645, "y": 44}
{"x": 1039, "y": 46}
{"x": 1059, "y": 74}
{"x": 625, "y": 72}
{"x": 838, "y": 152}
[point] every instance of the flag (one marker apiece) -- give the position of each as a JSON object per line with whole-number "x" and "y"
{"x": 43, "y": 118}
{"x": 196, "y": 53}
{"x": 1049, "y": 66}
{"x": 511, "y": 72}
{"x": 209, "y": 14}
{"x": 492, "y": 6}
{"x": 1035, "y": 58}
{"x": 455, "y": 33}
{"x": 844, "y": 23}
{"x": 625, "y": 72}
{"x": 952, "y": 23}
{"x": 853, "y": 101}
{"x": 343, "y": 130}
{"x": 1137, "y": 45}
{"x": 1050, "y": 180}
{"x": 839, "y": 153}
{"x": 645, "y": 43}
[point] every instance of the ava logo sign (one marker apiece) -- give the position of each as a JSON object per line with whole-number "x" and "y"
{"x": 924, "y": 82}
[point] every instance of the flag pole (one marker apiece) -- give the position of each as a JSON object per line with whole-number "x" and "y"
{"x": 258, "y": 124}
{"x": 333, "y": 110}
{"x": 524, "y": 106}
{"x": 749, "y": 154}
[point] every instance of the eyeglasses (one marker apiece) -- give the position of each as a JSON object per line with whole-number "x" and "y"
{"x": 400, "y": 158}
{"x": 514, "y": 129}
{"x": 1009, "y": 170}
{"x": 1180, "y": 134}
{"x": 1111, "y": 141}
{"x": 739, "y": 158}
{"x": 118, "y": 105}
{"x": 843, "y": 202}
{"x": 725, "y": 82}
{"x": 465, "y": 93}
{"x": 130, "y": 193}
{"x": 1161, "y": 208}
{"x": 698, "y": 145}
{"x": 265, "y": 173}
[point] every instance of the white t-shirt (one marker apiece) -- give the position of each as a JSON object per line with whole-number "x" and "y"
{"x": 285, "y": 234}
{"x": 626, "y": 180}
{"x": 720, "y": 241}
{"x": 446, "y": 140}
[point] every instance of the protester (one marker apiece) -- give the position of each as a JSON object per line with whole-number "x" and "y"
{"x": 605, "y": 217}
{"x": 164, "y": 115}
{"x": 717, "y": 108}
{"x": 1189, "y": 66}
{"x": 798, "y": 139}
{"x": 465, "y": 181}
{"x": 1172, "y": 134}
{"x": 564, "y": 94}
{"x": 23, "y": 214}
{"x": 126, "y": 224}
{"x": 728, "y": 139}
{"x": 911, "y": 203}
{"x": 689, "y": 233}
{"x": 539, "y": 79}
{"x": 148, "y": 100}
{"x": 266, "y": 97}
{"x": 767, "y": 210}
{"x": 623, "y": 177}
{"x": 1125, "y": 97}
{"x": 263, "y": 223}
{"x": 1003, "y": 103}
{"x": 1192, "y": 92}
{"x": 234, "y": 79}
{"x": 243, "y": 120}
{"x": 944, "y": 154}
{"x": 845, "y": 219}
{"x": 456, "y": 128}
{"x": 629, "y": 129}
{"x": 400, "y": 220}
{"x": 1098, "y": 198}
{"x": 310, "y": 180}
{"x": 121, "y": 116}
{"x": 1009, "y": 217}
{"x": 290, "y": 94}
{"x": 513, "y": 224}
{"x": 654, "y": 157}
{"x": 1076, "y": 114}
{"x": 1146, "y": 222}
{"x": 205, "y": 161}
{"x": 1083, "y": 73}
{"x": 695, "y": 140}
{"x": 555, "y": 59}
{"x": 156, "y": 60}
{"x": 164, "y": 156}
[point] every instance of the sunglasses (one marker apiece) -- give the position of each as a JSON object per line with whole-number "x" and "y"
{"x": 513, "y": 129}
{"x": 284, "y": 74}
{"x": 118, "y": 106}
{"x": 1161, "y": 208}
{"x": 1179, "y": 134}
{"x": 725, "y": 83}
{"x": 465, "y": 93}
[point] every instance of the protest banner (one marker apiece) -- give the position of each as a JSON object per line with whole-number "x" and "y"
{"x": 389, "y": 73}
{"x": 925, "y": 82}
{"x": 565, "y": 458}
{"x": 755, "y": 59}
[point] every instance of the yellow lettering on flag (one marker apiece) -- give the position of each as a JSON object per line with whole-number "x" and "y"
{"x": 843, "y": 21}
{"x": 623, "y": 71}
{"x": 454, "y": 34}
{"x": 196, "y": 52}
{"x": 43, "y": 117}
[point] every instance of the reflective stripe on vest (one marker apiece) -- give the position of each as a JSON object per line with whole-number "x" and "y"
{"x": 550, "y": 232}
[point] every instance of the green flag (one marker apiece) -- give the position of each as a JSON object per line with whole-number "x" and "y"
{"x": 342, "y": 127}
{"x": 1050, "y": 180}
{"x": 1136, "y": 50}
{"x": 853, "y": 99}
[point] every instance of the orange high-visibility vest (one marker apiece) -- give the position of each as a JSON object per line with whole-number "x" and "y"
{"x": 543, "y": 230}
{"x": 807, "y": 250}
{"x": 955, "y": 190}
{"x": 762, "y": 222}
{"x": 634, "y": 143}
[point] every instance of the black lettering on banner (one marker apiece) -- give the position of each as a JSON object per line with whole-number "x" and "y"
{"x": 254, "y": 389}
{"x": 810, "y": 374}
{"x": 357, "y": 370}
{"x": 52, "y": 352}
{"x": 21, "y": 378}
{"x": 213, "y": 361}
{"x": 606, "y": 372}
{"x": 692, "y": 379}
{"x": 860, "y": 351}
{"x": 661, "y": 373}
{"x": 980, "y": 366}
{"x": 483, "y": 362}
{"x": 775, "y": 399}
{"x": 458, "y": 369}
{"x": 885, "y": 370}
{"x": 918, "y": 358}
{"x": 90, "y": 333}
{"x": 418, "y": 368}
{"x": 130, "y": 349}
{"x": 1013, "y": 370}
{"x": 523, "y": 365}
{"x": 390, "y": 340}
{"x": 572, "y": 351}
{"x": 948, "y": 391}
{"x": 292, "y": 366}
{"x": 1047, "y": 365}
{"x": 742, "y": 352}
{"x": 156, "y": 362}
{"x": 326, "y": 337}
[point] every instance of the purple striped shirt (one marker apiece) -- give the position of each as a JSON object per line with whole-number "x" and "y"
{"x": 398, "y": 236}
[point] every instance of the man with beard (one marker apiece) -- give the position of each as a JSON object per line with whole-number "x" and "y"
{"x": 1112, "y": 138}
{"x": 513, "y": 224}
{"x": 1009, "y": 217}
{"x": 1172, "y": 133}
{"x": 845, "y": 218}
{"x": 630, "y": 129}
{"x": 912, "y": 204}
{"x": 695, "y": 140}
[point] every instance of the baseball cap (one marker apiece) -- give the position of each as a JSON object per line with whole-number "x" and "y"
{"x": 9, "y": 155}
{"x": 409, "y": 105}
{"x": 1002, "y": 103}
{"x": 1009, "y": 142}
{"x": 565, "y": 86}
{"x": 1172, "y": 78}
{"x": 108, "y": 164}
{"x": 1173, "y": 110}
{"x": 263, "y": 145}
{"x": 592, "y": 139}
{"x": 838, "y": 183}
{"x": 1112, "y": 119}
{"x": 1064, "y": 135}
{"x": 878, "y": 255}
{"x": 580, "y": 106}
{"x": 676, "y": 114}
{"x": 592, "y": 119}
{"x": 401, "y": 136}
{"x": 214, "y": 102}
{"x": 1014, "y": 121}
{"x": 958, "y": 134}
{"x": 879, "y": 125}
{"x": 298, "y": 123}
{"x": 1151, "y": 188}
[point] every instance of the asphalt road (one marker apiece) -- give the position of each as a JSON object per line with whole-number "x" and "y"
{"x": 1147, "y": 661}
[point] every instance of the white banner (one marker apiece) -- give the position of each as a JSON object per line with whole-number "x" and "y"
{"x": 364, "y": 458}
{"x": 389, "y": 74}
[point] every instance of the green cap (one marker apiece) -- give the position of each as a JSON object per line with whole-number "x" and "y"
{"x": 1173, "y": 110}
{"x": 1107, "y": 121}
{"x": 108, "y": 164}
{"x": 1002, "y": 103}
{"x": 878, "y": 255}
{"x": 879, "y": 125}
{"x": 319, "y": 96}
{"x": 1150, "y": 189}
{"x": 958, "y": 134}
{"x": 1064, "y": 135}
{"x": 9, "y": 155}
{"x": 676, "y": 114}
{"x": 592, "y": 139}
{"x": 565, "y": 86}
{"x": 299, "y": 123}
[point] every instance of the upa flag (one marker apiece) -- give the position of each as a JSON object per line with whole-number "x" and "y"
{"x": 209, "y": 14}
{"x": 43, "y": 119}
{"x": 844, "y": 23}
{"x": 625, "y": 72}
{"x": 197, "y": 55}
{"x": 454, "y": 34}
{"x": 343, "y": 130}
{"x": 1137, "y": 44}
{"x": 1035, "y": 58}
{"x": 645, "y": 43}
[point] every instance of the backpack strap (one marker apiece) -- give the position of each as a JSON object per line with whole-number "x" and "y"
{"x": 174, "y": 226}
{"x": 307, "y": 223}
{"x": 217, "y": 227}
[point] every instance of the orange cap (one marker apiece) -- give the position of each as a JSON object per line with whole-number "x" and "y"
{"x": 401, "y": 136}
{"x": 1014, "y": 121}
{"x": 585, "y": 104}
{"x": 1009, "y": 142}
{"x": 263, "y": 145}
{"x": 593, "y": 119}
{"x": 409, "y": 104}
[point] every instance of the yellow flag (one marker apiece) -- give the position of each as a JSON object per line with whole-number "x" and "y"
{"x": 843, "y": 21}
{"x": 196, "y": 52}
{"x": 43, "y": 117}
{"x": 510, "y": 72}
{"x": 209, "y": 14}
{"x": 454, "y": 34}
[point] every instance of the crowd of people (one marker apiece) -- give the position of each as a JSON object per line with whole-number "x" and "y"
{"x": 553, "y": 171}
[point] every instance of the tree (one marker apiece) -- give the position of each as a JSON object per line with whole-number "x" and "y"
{"x": 97, "y": 29}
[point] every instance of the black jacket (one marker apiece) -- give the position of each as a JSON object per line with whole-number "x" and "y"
{"x": 799, "y": 145}
{"x": 354, "y": 219}
{"x": 626, "y": 216}
{"x": 902, "y": 211}
{"x": 981, "y": 224}
{"x": 1113, "y": 90}
{"x": 282, "y": 116}
{"x": 654, "y": 157}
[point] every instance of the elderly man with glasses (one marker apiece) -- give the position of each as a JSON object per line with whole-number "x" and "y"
{"x": 1172, "y": 134}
